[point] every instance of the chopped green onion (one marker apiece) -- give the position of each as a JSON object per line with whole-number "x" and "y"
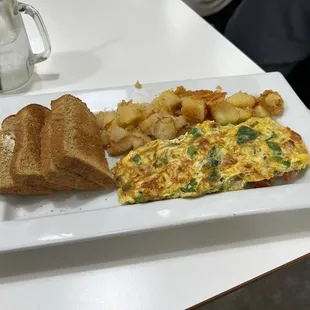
{"x": 191, "y": 151}
{"x": 246, "y": 134}
{"x": 275, "y": 147}
{"x": 277, "y": 159}
{"x": 136, "y": 159}
{"x": 141, "y": 198}
{"x": 161, "y": 161}
{"x": 195, "y": 132}
{"x": 213, "y": 162}
{"x": 190, "y": 187}
{"x": 286, "y": 163}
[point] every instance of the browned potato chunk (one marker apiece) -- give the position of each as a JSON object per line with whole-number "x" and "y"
{"x": 244, "y": 114}
{"x": 214, "y": 98}
{"x": 105, "y": 138}
{"x": 260, "y": 111}
{"x": 225, "y": 113}
{"x": 165, "y": 129}
{"x": 272, "y": 102}
{"x": 146, "y": 109}
{"x": 120, "y": 147}
{"x": 179, "y": 122}
{"x": 242, "y": 100}
{"x": 193, "y": 109}
{"x": 105, "y": 118}
{"x": 128, "y": 114}
{"x": 139, "y": 139}
{"x": 147, "y": 126}
{"x": 166, "y": 101}
{"x": 137, "y": 142}
{"x": 117, "y": 133}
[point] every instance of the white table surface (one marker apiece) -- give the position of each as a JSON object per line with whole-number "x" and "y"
{"x": 103, "y": 43}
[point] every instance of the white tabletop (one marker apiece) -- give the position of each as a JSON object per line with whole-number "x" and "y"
{"x": 103, "y": 43}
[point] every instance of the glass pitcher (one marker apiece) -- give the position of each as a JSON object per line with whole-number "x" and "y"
{"x": 16, "y": 58}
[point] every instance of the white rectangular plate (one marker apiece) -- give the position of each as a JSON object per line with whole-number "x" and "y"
{"x": 37, "y": 221}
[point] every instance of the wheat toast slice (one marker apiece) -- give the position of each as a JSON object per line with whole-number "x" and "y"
{"x": 26, "y": 163}
{"x": 57, "y": 175}
{"x": 76, "y": 141}
{"x": 8, "y": 124}
{"x": 7, "y": 184}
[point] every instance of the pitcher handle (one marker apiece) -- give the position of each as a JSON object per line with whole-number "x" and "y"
{"x": 30, "y": 10}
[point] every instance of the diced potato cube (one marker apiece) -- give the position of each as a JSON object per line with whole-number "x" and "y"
{"x": 244, "y": 114}
{"x": 242, "y": 100}
{"x": 167, "y": 100}
{"x": 139, "y": 139}
{"x": 165, "y": 129}
{"x": 105, "y": 138}
{"x": 225, "y": 113}
{"x": 137, "y": 142}
{"x": 117, "y": 133}
{"x": 146, "y": 126}
{"x": 260, "y": 111}
{"x": 146, "y": 109}
{"x": 179, "y": 122}
{"x": 273, "y": 102}
{"x": 128, "y": 114}
{"x": 104, "y": 118}
{"x": 120, "y": 147}
{"x": 193, "y": 109}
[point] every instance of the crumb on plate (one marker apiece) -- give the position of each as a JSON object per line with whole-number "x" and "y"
{"x": 138, "y": 85}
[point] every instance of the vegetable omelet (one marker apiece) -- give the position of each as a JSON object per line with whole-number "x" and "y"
{"x": 211, "y": 158}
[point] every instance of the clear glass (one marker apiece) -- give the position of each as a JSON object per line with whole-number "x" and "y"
{"x": 16, "y": 57}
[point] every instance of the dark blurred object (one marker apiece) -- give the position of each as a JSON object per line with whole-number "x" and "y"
{"x": 285, "y": 288}
{"x": 220, "y": 19}
{"x": 299, "y": 78}
{"x": 275, "y": 34}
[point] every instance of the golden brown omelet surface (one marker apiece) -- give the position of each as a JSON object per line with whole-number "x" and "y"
{"x": 210, "y": 158}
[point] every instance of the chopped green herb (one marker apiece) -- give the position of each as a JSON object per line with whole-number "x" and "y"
{"x": 141, "y": 198}
{"x": 275, "y": 147}
{"x": 278, "y": 159}
{"x": 286, "y": 163}
{"x": 136, "y": 159}
{"x": 273, "y": 136}
{"x": 212, "y": 152}
{"x": 213, "y": 162}
{"x": 190, "y": 187}
{"x": 195, "y": 132}
{"x": 191, "y": 151}
{"x": 213, "y": 176}
{"x": 126, "y": 187}
{"x": 161, "y": 161}
{"x": 246, "y": 134}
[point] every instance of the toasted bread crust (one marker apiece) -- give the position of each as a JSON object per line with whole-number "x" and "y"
{"x": 76, "y": 141}
{"x": 7, "y": 184}
{"x": 54, "y": 174}
{"x": 26, "y": 165}
{"x": 8, "y": 124}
